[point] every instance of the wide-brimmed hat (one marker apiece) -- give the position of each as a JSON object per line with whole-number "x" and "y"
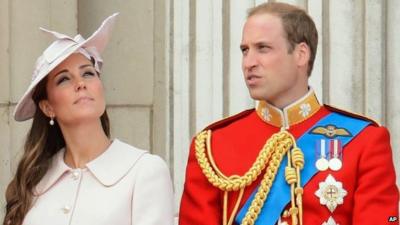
{"x": 56, "y": 53}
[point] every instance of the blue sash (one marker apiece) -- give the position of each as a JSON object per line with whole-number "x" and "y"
{"x": 279, "y": 195}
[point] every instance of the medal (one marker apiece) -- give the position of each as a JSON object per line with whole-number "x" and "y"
{"x": 330, "y": 221}
{"x": 322, "y": 163}
{"x": 330, "y": 193}
{"x": 335, "y": 163}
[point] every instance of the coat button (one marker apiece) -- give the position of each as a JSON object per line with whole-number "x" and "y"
{"x": 66, "y": 209}
{"x": 75, "y": 174}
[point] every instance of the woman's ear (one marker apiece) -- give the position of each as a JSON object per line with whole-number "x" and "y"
{"x": 46, "y": 108}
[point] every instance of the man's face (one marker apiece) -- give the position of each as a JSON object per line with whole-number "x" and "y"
{"x": 270, "y": 71}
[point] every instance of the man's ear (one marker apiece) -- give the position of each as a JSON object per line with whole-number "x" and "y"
{"x": 46, "y": 108}
{"x": 303, "y": 54}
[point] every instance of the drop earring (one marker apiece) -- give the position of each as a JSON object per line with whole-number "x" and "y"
{"x": 51, "y": 122}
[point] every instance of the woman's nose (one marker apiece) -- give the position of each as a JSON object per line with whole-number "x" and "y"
{"x": 80, "y": 84}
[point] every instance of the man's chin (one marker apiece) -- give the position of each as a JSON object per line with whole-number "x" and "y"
{"x": 257, "y": 96}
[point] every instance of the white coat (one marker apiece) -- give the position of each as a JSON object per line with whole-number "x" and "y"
{"x": 123, "y": 186}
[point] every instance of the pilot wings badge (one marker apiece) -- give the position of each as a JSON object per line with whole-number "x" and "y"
{"x": 331, "y": 131}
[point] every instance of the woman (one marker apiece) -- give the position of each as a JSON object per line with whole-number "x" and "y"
{"x": 71, "y": 172}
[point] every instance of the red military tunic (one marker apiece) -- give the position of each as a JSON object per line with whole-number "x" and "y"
{"x": 367, "y": 174}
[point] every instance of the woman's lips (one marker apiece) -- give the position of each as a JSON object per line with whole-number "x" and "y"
{"x": 83, "y": 99}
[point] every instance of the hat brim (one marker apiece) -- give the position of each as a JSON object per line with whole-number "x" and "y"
{"x": 26, "y": 107}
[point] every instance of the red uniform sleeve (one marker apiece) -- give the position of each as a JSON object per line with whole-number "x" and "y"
{"x": 201, "y": 202}
{"x": 376, "y": 198}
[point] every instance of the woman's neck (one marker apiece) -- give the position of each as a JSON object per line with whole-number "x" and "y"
{"x": 83, "y": 143}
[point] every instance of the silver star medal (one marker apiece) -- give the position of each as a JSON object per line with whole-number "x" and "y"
{"x": 322, "y": 163}
{"x": 335, "y": 163}
{"x": 330, "y": 221}
{"x": 330, "y": 193}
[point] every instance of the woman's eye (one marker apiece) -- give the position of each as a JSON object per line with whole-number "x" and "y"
{"x": 88, "y": 74}
{"x": 62, "y": 80}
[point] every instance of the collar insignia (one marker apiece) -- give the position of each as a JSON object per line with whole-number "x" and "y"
{"x": 295, "y": 113}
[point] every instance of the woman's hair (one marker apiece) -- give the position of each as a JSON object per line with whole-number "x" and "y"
{"x": 42, "y": 143}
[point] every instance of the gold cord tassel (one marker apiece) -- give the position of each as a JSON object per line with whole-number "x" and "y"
{"x": 292, "y": 175}
{"x": 298, "y": 162}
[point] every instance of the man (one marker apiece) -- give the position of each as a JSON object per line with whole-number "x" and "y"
{"x": 291, "y": 160}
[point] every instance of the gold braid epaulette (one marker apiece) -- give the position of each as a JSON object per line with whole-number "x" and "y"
{"x": 271, "y": 154}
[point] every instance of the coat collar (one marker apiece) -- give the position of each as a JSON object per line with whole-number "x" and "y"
{"x": 292, "y": 114}
{"x": 108, "y": 168}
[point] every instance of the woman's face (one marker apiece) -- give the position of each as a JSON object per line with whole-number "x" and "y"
{"x": 74, "y": 92}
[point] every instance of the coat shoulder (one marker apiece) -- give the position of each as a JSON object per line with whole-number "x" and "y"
{"x": 352, "y": 114}
{"x": 229, "y": 120}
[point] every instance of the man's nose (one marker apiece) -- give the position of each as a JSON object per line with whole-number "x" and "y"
{"x": 249, "y": 60}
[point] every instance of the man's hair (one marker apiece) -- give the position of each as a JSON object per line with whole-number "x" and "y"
{"x": 297, "y": 24}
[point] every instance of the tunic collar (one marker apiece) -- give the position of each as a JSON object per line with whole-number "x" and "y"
{"x": 292, "y": 114}
{"x": 108, "y": 168}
